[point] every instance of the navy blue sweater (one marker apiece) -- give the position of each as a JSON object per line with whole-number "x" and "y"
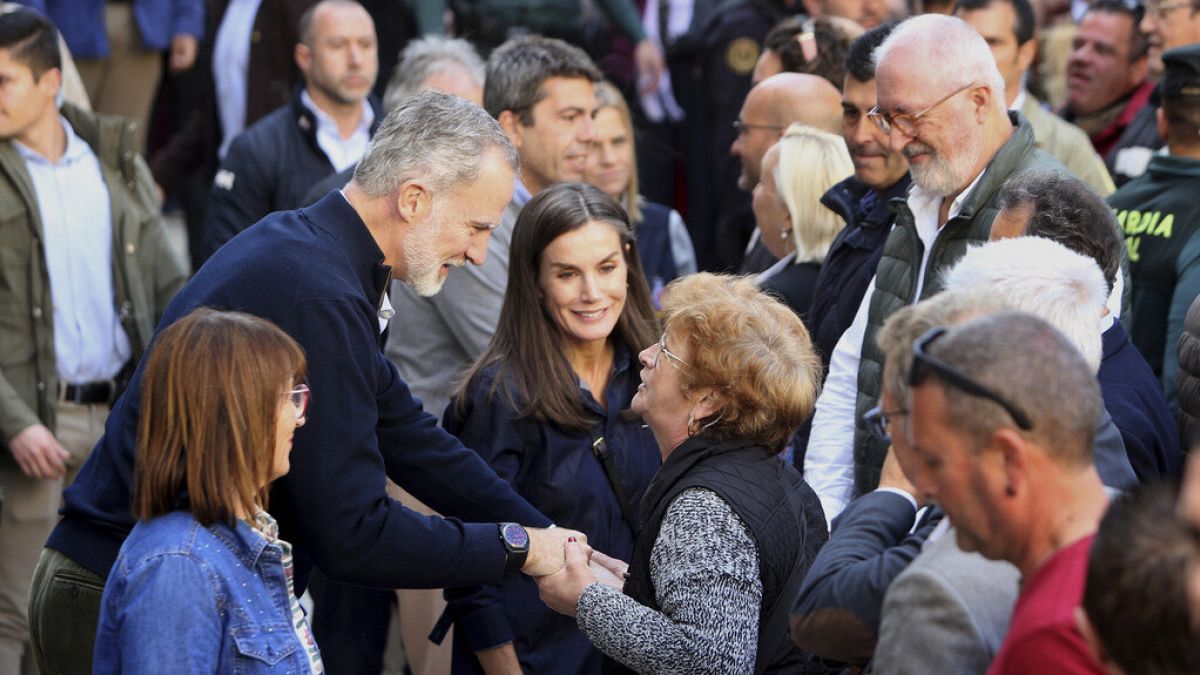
{"x": 319, "y": 275}
{"x": 557, "y": 472}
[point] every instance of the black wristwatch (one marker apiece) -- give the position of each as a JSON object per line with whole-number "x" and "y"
{"x": 516, "y": 545}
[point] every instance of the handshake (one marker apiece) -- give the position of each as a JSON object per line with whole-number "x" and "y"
{"x": 563, "y": 565}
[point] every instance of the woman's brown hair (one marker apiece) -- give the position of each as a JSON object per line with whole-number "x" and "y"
{"x": 527, "y": 346}
{"x": 212, "y": 386}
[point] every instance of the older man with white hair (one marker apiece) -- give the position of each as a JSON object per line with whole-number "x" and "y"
{"x": 941, "y": 101}
{"x": 1065, "y": 288}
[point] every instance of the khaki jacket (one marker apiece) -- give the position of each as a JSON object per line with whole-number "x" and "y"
{"x": 146, "y": 272}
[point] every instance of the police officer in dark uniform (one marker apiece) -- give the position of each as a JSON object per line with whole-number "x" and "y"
{"x": 732, "y": 42}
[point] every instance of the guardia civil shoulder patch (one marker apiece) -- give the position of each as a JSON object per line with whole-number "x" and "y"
{"x": 741, "y": 55}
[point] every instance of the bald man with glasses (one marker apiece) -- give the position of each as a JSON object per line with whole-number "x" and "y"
{"x": 941, "y": 102}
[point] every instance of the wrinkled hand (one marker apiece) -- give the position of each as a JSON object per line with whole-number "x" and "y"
{"x": 39, "y": 453}
{"x": 561, "y": 590}
{"x": 609, "y": 571}
{"x": 1189, "y": 492}
{"x": 183, "y": 52}
{"x": 650, "y": 65}
{"x": 546, "y": 549}
{"x": 892, "y": 476}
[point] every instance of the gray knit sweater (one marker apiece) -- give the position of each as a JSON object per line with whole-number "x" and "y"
{"x": 705, "y": 570}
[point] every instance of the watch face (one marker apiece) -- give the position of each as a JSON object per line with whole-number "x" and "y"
{"x": 516, "y": 536}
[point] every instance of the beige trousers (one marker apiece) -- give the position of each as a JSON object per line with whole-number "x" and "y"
{"x": 124, "y": 83}
{"x": 29, "y": 513}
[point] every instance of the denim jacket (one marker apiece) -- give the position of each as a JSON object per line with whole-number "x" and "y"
{"x": 184, "y": 598}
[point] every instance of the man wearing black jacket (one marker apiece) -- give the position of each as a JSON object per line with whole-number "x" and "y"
{"x": 322, "y": 130}
{"x": 424, "y": 199}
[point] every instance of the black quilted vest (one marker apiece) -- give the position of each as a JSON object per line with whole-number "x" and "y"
{"x": 781, "y": 511}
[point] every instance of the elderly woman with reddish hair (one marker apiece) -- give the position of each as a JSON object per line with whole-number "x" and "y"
{"x": 727, "y": 528}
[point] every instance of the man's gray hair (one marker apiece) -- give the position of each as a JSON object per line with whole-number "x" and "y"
{"x": 1063, "y": 208}
{"x": 950, "y": 49}
{"x": 1034, "y": 367}
{"x": 1044, "y": 278}
{"x": 440, "y": 138}
{"x": 517, "y": 69}
{"x": 910, "y": 322}
{"x": 426, "y": 57}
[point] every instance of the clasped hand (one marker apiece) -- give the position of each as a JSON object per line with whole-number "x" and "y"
{"x": 583, "y": 566}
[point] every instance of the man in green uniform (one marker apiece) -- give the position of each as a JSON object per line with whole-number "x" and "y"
{"x": 1160, "y": 216}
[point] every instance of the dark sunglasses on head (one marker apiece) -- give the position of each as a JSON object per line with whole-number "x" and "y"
{"x": 924, "y": 365}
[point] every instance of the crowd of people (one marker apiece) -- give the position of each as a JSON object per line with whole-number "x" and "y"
{"x": 656, "y": 336}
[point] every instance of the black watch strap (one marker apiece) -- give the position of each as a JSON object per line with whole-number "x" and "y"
{"x": 516, "y": 545}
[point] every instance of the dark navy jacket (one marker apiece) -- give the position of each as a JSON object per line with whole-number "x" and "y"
{"x": 556, "y": 471}
{"x": 654, "y": 245}
{"x": 853, "y": 256}
{"x": 848, "y": 269}
{"x": 318, "y": 274}
{"x": 270, "y": 167}
{"x": 836, "y": 615}
{"x": 1135, "y": 400}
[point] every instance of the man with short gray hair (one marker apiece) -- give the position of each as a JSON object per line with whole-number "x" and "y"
{"x": 941, "y": 100}
{"x": 425, "y": 199}
{"x": 448, "y": 65}
{"x": 1011, "y": 464}
{"x": 1041, "y": 203}
{"x": 540, "y": 91}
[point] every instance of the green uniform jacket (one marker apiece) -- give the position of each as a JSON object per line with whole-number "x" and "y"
{"x": 1160, "y": 217}
{"x": 896, "y": 276}
{"x": 146, "y": 272}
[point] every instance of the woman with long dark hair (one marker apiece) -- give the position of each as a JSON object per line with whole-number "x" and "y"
{"x": 546, "y": 406}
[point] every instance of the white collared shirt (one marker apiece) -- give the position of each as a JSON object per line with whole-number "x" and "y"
{"x": 342, "y": 152}
{"x": 77, "y": 236}
{"x": 829, "y": 462}
{"x": 230, "y": 65}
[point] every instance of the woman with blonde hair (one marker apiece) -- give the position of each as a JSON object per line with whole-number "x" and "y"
{"x": 795, "y": 226}
{"x": 203, "y": 583}
{"x": 664, "y": 244}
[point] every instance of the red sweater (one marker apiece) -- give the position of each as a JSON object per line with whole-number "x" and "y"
{"x": 1042, "y": 637}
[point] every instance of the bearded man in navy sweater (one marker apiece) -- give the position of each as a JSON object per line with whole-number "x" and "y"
{"x": 425, "y": 197}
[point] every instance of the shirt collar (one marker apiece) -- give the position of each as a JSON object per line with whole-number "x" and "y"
{"x": 920, "y": 198}
{"x": 326, "y": 123}
{"x": 520, "y": 193}
{"x": 1019, "y": 101}
{"x": 75, "y": 150}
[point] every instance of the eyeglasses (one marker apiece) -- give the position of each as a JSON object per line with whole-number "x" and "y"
{"x": 663, "y": 351}
{"x": 741, "y": 127}
{"x": 300, "y": 396}
{"x": 878, "y": 422}
{"x": 907, "y": 123}
{"x": 1158, "y": 10}
{"x": 924, "y": 364}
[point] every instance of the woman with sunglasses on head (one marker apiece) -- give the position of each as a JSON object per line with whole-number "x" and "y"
{"x": 203, "y": 583}
{"x": 728, "y": 529}
{"x": 546, "y": 406}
